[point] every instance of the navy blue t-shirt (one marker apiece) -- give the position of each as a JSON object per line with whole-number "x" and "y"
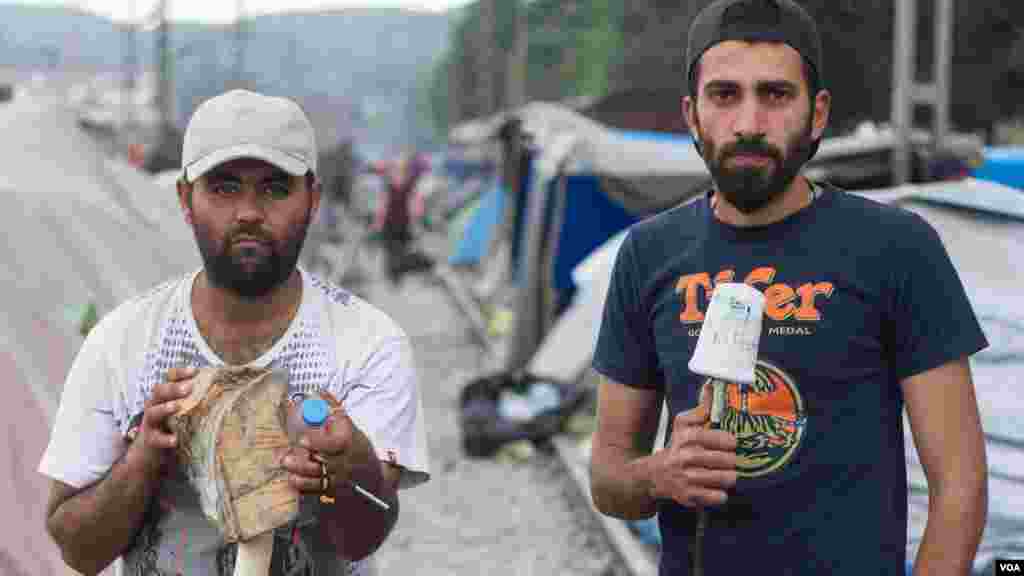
{"x": 859, "y": 295}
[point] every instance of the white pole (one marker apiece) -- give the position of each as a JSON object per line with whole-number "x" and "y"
{"x": 943, "y": 68}
{"x": 904, "y": 64}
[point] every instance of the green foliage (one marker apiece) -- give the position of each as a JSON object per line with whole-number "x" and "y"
{"x": 572, "y": 46}
{"x": 432, "y": 98}
{"x": 598, "y": 44}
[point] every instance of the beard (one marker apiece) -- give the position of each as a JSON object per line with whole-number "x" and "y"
{"x": 250, "y": 273}
{"x": 750, "y": 188}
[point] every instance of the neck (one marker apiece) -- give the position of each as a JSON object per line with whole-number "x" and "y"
{"x": 795, "y": 198}
{"x": 219, "y": 305}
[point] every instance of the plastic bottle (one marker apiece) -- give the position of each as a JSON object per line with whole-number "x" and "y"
{"x": 310, "y": 412}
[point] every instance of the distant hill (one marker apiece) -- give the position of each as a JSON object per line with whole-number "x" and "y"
{"x": 356, "y": 67}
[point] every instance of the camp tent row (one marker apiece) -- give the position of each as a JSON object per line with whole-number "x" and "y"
{"x": 79, "y": 233}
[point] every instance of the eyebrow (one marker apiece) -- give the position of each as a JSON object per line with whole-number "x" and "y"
{"x": 225, "y": 176}
{"x": 761, "y": 85}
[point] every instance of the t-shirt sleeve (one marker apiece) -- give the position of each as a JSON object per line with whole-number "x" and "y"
{"x": 385, "y": 404}
{"x": 625, "y": 348}
{"x": 85, "y": 439}
{"x": 932, "y": 321}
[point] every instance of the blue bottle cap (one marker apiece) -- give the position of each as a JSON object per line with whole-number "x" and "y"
{"x": 315, "y": 411}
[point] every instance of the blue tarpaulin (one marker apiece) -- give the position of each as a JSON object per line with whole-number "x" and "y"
{"x": 479, "y": 231}
{"x": 590, "y": 219}
{"x": 1004, "y": 165}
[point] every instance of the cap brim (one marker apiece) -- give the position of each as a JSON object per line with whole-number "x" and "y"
{"x": 286, "y": 162}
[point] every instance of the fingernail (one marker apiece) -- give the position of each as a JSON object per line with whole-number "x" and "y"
{"x": 185, "y": 388}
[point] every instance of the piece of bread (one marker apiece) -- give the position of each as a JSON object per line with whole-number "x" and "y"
{"x": 231, "y": 438}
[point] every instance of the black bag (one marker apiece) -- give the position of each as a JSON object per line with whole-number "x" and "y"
{"x": 485, "y": 431}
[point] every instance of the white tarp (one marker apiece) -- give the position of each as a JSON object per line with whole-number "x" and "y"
{"x": 76, "y": 230}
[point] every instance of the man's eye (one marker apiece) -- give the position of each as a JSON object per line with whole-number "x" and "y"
{"x": 278, "y": 190}
{"x": 722, "y": 95}
{"x": 225, "y": 188}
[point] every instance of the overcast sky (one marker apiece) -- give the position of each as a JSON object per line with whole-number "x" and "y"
{"x": 224, "y": 10}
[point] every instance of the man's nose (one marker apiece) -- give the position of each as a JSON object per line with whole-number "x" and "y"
{"x": 251, "y": 206}
{"x": 749, "y": 119}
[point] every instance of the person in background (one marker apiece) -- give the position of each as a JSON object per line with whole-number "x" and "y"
{"x": 394, "y": 214}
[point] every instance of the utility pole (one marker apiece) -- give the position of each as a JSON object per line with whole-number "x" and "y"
{"x": 515, "y": 75}
{"x": 907, "y": 92}
{"x": 239, "y": 42}
{"x": 129, "y": 64}
{"x": 456, "y": 98}
{"x": 488, "y": 66}
{"x": 165, "y": 83}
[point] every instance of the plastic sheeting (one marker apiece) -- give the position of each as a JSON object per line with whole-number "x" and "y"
{"x": 1004, "y": 165}
{"x": 77, "y": 230}
{"x": 478, "y": 227}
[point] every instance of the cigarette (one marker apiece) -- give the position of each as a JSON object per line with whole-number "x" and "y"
{"x": 369, "y": 496}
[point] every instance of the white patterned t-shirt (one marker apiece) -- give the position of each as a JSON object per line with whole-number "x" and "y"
{"x": 337, "y": 342}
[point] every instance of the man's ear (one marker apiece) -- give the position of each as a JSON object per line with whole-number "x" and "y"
{"x": 315, "y": 192}
{"x": 185, "y": 198}
{"x": 822, "y": 111}
{"x": 689, "y": 106}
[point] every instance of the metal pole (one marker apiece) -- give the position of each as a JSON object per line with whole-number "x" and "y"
{"x": 515, "y": 82}
{"x": 903, "y": 85}
{"x": 163, "y": 59}
{"x": 488, "y": 63}
{"x": 527, "y": 302}
{"x": 943, "y": 68}
{"x": 129, "y": 64}
{"x": 239, "y": 41}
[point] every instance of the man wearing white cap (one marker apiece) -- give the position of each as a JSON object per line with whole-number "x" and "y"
{"x": 249, "y": 189}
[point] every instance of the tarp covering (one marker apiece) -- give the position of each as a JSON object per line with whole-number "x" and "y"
{"x": 76, "y": 231}
{"x": 652, "y": 172}
{"x": 1004, "y": 165}
{"x": 476, "y": 230}
{"x": 589, "y": 218}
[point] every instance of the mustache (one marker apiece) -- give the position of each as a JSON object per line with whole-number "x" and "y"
{"x": 249, "y": 233}
{"x": 751, "y": 145}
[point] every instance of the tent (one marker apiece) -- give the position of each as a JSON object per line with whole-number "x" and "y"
{"x": 576, "y": 168}
{"x": 1004, "y": 165}
{"x": 79, "y": 233}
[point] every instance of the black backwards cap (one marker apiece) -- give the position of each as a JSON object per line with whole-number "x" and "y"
{"x": 755, "y": 21}
{"x": 782, "y": 21}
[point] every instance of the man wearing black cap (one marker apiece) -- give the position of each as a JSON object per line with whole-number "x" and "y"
{"x": 864, "y": 314}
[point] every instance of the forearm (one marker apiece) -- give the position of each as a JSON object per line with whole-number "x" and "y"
{"x": 953, "y": 531}
{"x": 94, "y": 527}
{"x": 621, "y": 484}
{"x": 365, "y": 529}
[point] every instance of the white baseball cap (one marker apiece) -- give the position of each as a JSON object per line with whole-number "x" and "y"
{"x": 244, "y": 124}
